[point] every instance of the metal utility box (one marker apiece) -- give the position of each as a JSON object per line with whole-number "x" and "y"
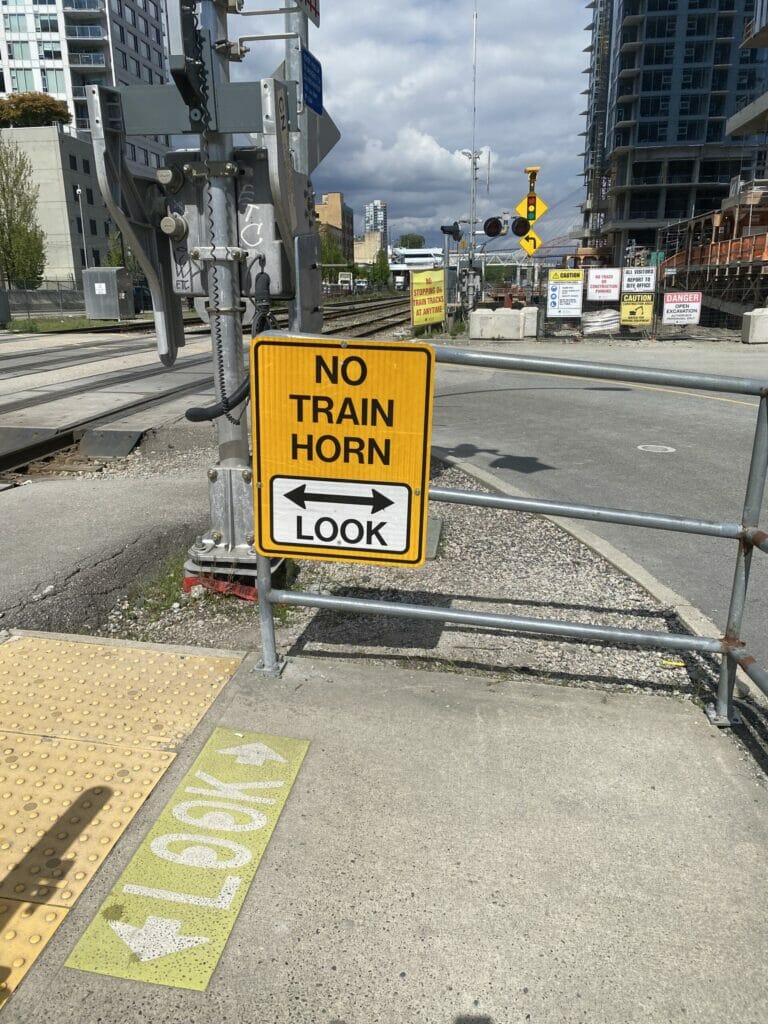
{"x": 5, "y": 308}
{"x": 108, "y": 293}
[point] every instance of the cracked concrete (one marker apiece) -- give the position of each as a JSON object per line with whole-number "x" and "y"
{"x": 89, "y": 538}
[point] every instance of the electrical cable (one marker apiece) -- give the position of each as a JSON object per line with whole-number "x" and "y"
{"x": 262, "y": 319}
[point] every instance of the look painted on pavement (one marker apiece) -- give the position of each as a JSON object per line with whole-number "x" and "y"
{"x": 169, "y": 917}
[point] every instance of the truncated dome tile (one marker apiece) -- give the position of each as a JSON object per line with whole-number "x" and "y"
{"x": 25, "y": 928}
{"x": 63, "y": 806}
{"x": 112, "y": 694}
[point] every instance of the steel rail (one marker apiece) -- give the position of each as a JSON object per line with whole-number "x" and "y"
{"x": 603, "y": 371}
{"x": 545, "y": 627}
{"x": 598, "y": 513}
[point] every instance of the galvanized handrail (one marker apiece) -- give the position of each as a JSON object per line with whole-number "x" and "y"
{"x": 747, "y": 533}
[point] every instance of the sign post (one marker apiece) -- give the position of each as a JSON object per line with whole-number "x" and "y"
{"x": 341, "y": 448}
{"x": 531, "y": 207}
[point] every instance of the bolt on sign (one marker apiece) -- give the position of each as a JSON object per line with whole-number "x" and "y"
{"x": 312, "y": 9}
{"x": 603, "y": 284}
{"x": 427, "y": 297}
{"x": 565, "y": 292}
{"x": 341, "y": 444}
{"x": 636, "y": 309}
{"x": 682, "y": 308}
{"x": 638, "y": 279}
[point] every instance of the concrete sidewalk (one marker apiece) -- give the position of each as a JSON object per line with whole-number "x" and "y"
{"x": 465, "y": 849}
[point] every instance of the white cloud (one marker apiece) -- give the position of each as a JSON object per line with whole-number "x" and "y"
{"x": 397, "y": 79}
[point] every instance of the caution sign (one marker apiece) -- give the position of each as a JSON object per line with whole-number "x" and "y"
{"x": 341, "y": 443}
{"x": 427, "y": 297}
{"x": 565, "y": 293}
{"x": 636, "y": 309}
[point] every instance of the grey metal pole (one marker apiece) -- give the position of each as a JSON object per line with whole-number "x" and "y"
{"x": 758, "y": 469}
{"x": 223, "y": 274}
{"x": 297, "y": 24}
{"x": 234, "y": 464}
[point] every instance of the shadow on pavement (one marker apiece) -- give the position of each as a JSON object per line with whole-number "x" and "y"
{"x": 46, "y": 862}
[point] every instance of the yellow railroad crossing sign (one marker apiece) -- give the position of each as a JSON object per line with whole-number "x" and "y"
{"x": 539, "y": 207}
{"x": 530, "y": 242}
{"x": 341, "y": 433}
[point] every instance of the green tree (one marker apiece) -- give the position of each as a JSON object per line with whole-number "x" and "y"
{"x": 412, "y": 241}
{"x": 379, "y": 275}
{"x": 22, "y": 241}
{"x": 331, "y": 256}
{"x": 119, "y": 255}
{"x": 31, "y": 110}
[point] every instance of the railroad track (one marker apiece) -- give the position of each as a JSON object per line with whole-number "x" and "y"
{"x": 108, "y": 395}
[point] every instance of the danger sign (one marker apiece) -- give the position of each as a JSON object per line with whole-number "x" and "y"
{"x": 682, "y": 308}
{"x": 341, "y": 439}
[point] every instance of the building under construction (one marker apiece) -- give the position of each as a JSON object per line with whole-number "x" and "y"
{"x": 664, "y": 77}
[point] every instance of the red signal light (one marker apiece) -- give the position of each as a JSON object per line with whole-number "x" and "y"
{"x": 493, "y": 227}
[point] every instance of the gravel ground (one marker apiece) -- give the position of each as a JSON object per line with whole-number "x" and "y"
{"x": 488, "y": 560}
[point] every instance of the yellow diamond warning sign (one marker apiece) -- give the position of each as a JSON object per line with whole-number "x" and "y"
{"x": 530, "y": 242}
{"x": 341, "y": 443}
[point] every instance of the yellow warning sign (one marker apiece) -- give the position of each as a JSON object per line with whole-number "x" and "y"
{"x": 169, "y": 916}
{"x": 427, "y": 297}
{"x": 530, "y": 242}
{"x": 531, "y": 207}
{"x": 637, "y": 309}
{"x": 341, "y": 442}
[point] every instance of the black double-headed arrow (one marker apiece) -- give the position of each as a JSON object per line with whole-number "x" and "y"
{"x": 377, "y": 500}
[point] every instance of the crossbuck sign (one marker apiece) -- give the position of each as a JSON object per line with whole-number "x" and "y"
{"x": 341, "y": 442}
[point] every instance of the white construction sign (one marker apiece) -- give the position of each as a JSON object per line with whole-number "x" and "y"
{"x": 682, "y": 308}
{"x": 565, "y": 292}
{"x": 638, "y": 279}
{"x": 603, "y": 284}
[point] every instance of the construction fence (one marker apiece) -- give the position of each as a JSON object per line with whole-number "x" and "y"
{"x": 627, "y": 302}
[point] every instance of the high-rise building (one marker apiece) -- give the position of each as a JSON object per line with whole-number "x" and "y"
{"x": 376, "y": 219}
{"x": 61, "y": 46}
{"x": 664, "y": 76}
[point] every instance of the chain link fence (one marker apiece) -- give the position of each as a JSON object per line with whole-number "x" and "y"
{"x": 45, "y": 298}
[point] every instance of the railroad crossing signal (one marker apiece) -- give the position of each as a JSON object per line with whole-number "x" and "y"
{"x": 530, "y": 242}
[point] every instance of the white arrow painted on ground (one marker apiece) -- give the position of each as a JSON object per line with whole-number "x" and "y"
{"x": 158, "y": 936}
{"x": 253, "y": 753}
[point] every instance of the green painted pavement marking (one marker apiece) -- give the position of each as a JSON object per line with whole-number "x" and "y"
{"x": 169, "y": 917}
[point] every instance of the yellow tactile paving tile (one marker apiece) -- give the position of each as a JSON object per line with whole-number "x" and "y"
{"x": 88, "y": 729}
{"x": 108, "y": 693}
{"x": 25, "y": 928}
{"x": 63, "y": 806}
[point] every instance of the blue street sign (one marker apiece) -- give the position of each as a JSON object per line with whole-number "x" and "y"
{"x": 312, "y": 81}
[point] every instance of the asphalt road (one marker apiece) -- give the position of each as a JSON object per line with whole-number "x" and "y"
{"x": 569, "y": 439}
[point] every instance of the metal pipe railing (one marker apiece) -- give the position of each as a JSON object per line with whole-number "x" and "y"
{"x": 747, "y": 533}
{"x": 596, "y": 513}
{"x": 545, "y": 627}
{"x": 603, "y": 371}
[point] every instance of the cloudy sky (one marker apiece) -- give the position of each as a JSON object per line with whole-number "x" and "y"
{"x": 397, "y": 80}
